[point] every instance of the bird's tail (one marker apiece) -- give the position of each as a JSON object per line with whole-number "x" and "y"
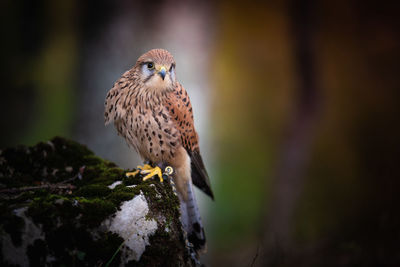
{"x": 191, "y": 221}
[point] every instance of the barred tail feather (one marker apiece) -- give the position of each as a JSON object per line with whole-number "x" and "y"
{"x": 191, "y": 221}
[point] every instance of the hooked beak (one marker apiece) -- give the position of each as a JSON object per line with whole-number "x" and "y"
{"x": 162, "y": 72}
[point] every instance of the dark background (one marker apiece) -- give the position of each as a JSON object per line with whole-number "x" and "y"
{"x": 296, "y": 104}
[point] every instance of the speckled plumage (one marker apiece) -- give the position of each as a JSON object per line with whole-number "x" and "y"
{"x": 154, "y": 115}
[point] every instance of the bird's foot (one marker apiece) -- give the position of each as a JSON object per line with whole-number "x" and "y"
{"x": 151, "y": 172}
{"x": 157, "y": 171}
{"x": 139, "y": 169}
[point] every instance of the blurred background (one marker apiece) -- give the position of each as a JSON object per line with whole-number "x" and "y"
{"x": 295, "y": 102}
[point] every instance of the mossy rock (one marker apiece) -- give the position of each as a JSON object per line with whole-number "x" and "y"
{"x": 58, "y": 208}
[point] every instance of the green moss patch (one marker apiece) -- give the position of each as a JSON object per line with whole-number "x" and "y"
{"x": 65, "y": 188}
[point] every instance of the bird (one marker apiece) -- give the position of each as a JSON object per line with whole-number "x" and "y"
{"x": 152, "y": 111}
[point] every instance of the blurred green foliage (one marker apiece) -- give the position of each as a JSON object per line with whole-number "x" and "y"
{"x": 253, "y": 96}
{"x": 349, "y": 179}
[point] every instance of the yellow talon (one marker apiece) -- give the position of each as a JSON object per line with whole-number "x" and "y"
{"x": 151, "y": 172}
{"x": 139, "y": 169}
{"x": 129, "y": 174}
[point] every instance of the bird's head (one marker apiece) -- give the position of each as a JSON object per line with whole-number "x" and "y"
{"x": 156, "y": 70}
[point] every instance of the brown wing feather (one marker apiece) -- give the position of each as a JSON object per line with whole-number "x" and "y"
{"x": 180, "y": 109}
{"x": 199, "y": 173}
{"x": 115, "y": 106}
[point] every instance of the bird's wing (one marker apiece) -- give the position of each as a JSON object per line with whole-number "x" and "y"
{"x": 115, "y": 106}
{"x": 180, "y": 109}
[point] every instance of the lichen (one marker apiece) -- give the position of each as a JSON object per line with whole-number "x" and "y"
{"x": 130, "y": 223}
{"x": 70, "y": 200}
{"x": 13, "y": 252}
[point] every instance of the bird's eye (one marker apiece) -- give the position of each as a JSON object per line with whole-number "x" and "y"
{"x": 150, "y": 65}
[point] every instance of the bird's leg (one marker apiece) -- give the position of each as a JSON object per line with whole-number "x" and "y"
{"x": 168, "y": 170}
{"x": 151, "y": 172}
{"x": 139, "y": 169}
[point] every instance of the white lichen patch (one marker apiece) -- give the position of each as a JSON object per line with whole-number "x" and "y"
{"x": 113, "y": 185}
{"x": 131, "y": 224}
{"x": 29, "y": 233}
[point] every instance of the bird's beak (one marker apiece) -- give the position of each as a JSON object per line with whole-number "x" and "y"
{"x": 162, "y": 72}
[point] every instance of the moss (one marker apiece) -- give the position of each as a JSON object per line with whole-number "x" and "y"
{"x": 70, "y": 217}
{"x": 93, "y": 190}
{"x": 167, "y": 247}
{"x": 96, "y": 210}
{"x": 121, "y": 193}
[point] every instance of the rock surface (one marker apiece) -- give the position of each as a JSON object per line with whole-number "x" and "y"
{"x": 62, "y": 205}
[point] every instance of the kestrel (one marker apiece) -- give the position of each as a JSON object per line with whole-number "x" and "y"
{"x": 152, "y": 111}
